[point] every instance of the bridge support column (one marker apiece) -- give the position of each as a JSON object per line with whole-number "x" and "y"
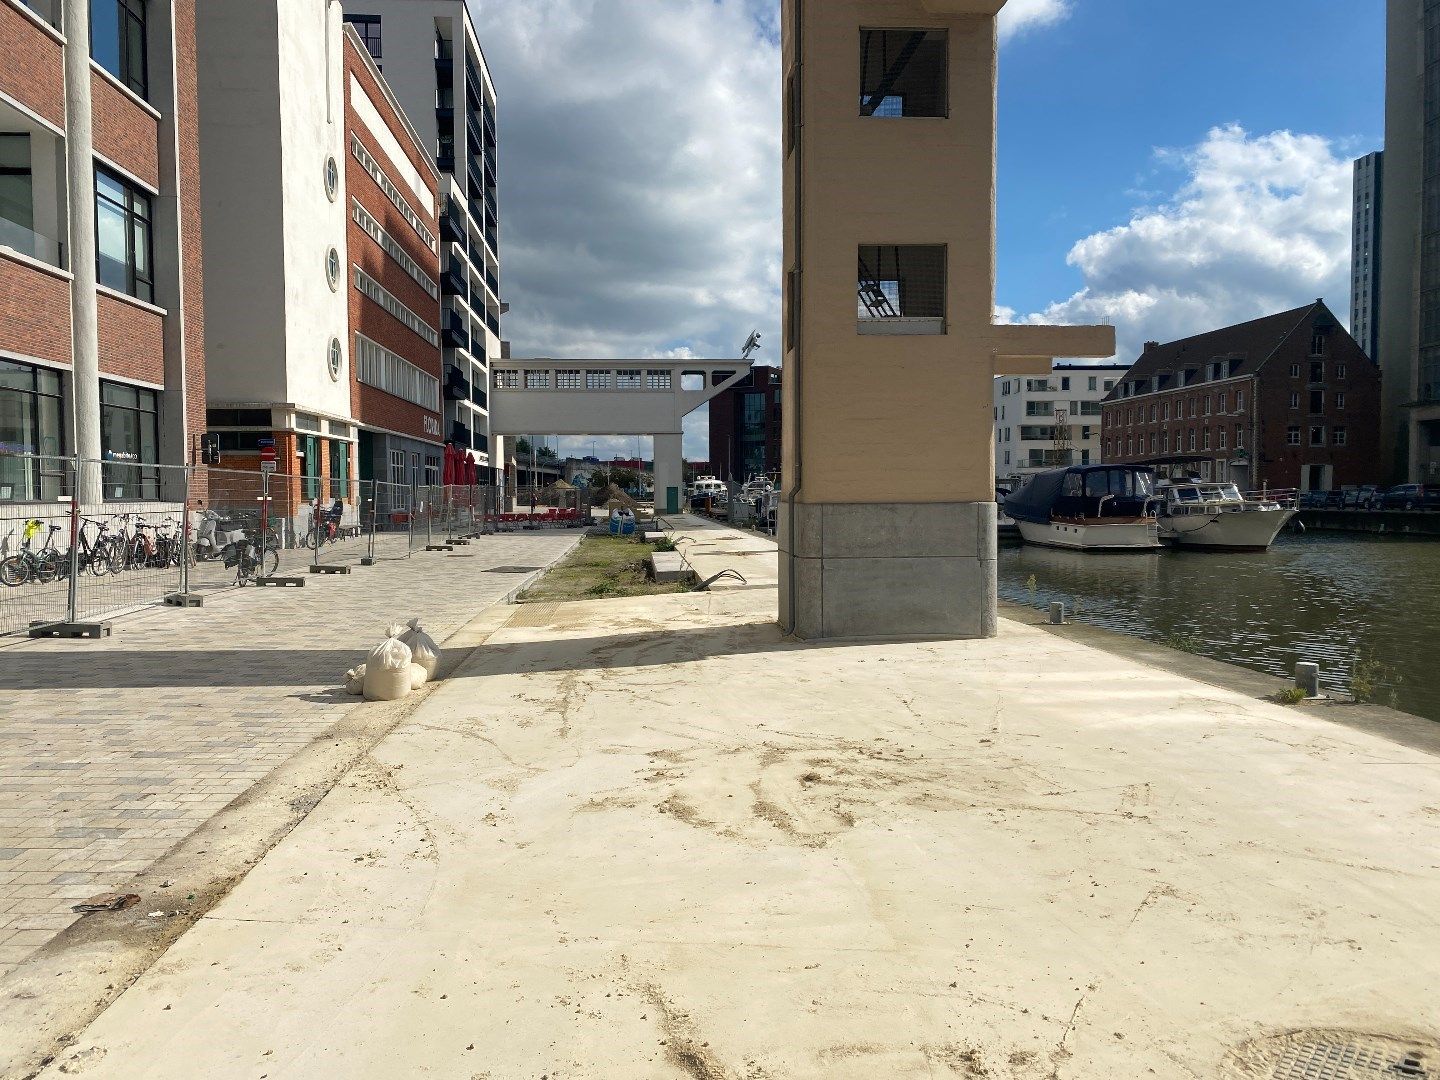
{"x": 669, "y": 474}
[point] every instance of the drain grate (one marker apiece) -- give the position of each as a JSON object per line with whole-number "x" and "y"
{"x": 533, "y": 615}
{"x": 1350, "y": 1058}
{"x": 514, "y": 569}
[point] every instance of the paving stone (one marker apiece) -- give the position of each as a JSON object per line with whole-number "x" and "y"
{"x": 113, "y": 750}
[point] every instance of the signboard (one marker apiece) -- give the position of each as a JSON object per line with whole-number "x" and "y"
{"x": 265, "y": 440}
{"x": 267, "y": 455}
{"x": 267, "y": 467}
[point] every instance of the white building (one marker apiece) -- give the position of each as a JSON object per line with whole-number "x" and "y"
{"x": 432, "y": 60}
{"x": 1029, "y": 410}
{"x": 1365, "y": 252}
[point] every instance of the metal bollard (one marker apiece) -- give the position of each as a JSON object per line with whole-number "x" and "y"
{"x": 1307, "y": 678}
{"x": 1057, "y": 613}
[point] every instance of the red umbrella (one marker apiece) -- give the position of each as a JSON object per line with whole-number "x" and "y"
{"x": 448, "y": 476}
{"x": 470, "y": 470}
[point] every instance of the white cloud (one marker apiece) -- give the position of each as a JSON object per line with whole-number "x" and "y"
{"x": 1260, "y": 224}
{"x": 1018, "y": 16}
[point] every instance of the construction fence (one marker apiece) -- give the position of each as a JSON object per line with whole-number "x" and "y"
{"x": 84, "y": 540}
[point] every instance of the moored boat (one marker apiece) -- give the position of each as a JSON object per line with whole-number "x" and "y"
{"x": 1089, "y": 508}
{"x": 1216, "y": 517}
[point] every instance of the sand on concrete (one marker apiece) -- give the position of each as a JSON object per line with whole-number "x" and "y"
{"x": 653, "y": 838}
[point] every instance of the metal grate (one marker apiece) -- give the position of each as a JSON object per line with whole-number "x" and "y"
{"x": 514, "y": 569}
{"x": 534, "y": 615}
{"x": 1357, "y": 1058}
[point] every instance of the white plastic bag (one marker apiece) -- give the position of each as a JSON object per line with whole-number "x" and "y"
{"x": 418, "y": 676}
{"x": 355, "y": 681}
{"x": 387, "y": 671}
{"x": 423, "y": 650}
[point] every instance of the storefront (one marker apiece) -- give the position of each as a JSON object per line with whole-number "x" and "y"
{"x": 32, "y": 422}
{"x": 395, "y": 459}
{"x": 129, "y": 441}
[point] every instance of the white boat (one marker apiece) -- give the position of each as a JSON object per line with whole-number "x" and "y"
{"x": 1089, "y": 508}
{"x": 1216, "y": 517}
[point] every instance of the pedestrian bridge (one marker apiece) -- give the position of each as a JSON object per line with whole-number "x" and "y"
{"x": 608, "y": 397}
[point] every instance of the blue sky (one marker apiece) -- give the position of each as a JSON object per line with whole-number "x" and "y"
{"x": 1167, "y": 167}
{"x": 1085, "y": 102}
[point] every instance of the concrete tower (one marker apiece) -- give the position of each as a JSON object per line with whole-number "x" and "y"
{"x": 890, "y": 345}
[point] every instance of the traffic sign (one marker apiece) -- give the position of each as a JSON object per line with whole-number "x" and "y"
{"x": 267, "y": 454}
{"x": 267, "y": 467}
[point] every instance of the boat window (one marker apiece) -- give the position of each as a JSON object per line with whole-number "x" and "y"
{"x": 1187, "y": 494}
{"x": 1097, "y": 483}
{"x": 1074, "y": 484}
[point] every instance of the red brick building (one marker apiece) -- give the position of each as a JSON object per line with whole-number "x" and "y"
{"x": 1286, "y": 401}
{"x": 745, "y": 427}
{"x": 102, "y": 329}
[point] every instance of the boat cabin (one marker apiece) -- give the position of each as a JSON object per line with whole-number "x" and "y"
{"x": 1085, "y": 493}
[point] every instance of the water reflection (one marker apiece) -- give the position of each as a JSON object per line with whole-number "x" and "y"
{"x": 1320, "y": 597}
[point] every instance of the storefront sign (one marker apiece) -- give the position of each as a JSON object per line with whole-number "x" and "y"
{"x": 432, "y": 426}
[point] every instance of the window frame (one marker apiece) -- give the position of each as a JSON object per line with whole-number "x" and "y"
{"x": 129, "y": 14}
{"x": 136, "y": 209}
{"x": 877, "y": 100}
{"x": 138, "y": 478}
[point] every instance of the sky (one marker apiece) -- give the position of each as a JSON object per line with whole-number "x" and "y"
{"x": 1165, "y": 167}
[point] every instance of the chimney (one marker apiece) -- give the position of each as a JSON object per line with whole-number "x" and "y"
{"x": 1151, "y": 345}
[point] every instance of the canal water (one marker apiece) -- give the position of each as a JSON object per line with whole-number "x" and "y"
{"x": 1334, "y": 599}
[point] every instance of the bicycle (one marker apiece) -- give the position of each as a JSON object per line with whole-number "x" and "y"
{"x": 324, "y": 526}
{"x": 104, "y": 556}
{"x": 26, "y": 565}
{"x": 250, "y": 559}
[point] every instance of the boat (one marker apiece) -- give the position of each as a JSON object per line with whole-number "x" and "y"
{"x": 1089, "y": 508}
{"x": 1216, "y": 517}
{"x": 1004, "y": 523}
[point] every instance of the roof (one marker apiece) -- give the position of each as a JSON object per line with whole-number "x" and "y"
{"x": 1251, "y": 343}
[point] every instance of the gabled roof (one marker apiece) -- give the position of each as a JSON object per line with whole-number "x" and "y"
{"x": 1251, "y": 344}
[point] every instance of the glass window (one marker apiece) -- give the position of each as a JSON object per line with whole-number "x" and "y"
{"x": 904, "y": 73}
{"x": 1292, "y": 435}
{"x": 129, "y": 441}
{"x": 597, "y": 380}
{"x": 368, "y": 27}
{"x": 117, "y": 41}
{"x": 567, "y": 380}
{"x": 30, "y": 423}
{"x": 537, "y": 380}
{"x": 627, "y": 380}
{"x": 17, "y": 204}
{"x": 657, "y": 380}
{"x": 122, "y": 228}
{"x": 901, "y": 282}
{"x": 339, "y": 470}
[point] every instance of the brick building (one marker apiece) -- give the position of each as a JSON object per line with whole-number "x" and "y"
{"x": 102, "y": 329}
{"x": 1286, "y": 401}
{"x": 745, "y": 427}
{"x": 322, "y": 231}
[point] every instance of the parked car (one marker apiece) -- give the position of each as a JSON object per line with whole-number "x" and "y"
{"x": 1411, "y": 497}
{"x": 1322, "y": 500}
{"x": 1364, "y": 497}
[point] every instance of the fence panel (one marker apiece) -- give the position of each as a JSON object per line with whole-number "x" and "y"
{"x": 35, "y": 526}
{"x": 337, "y": 528}
{"x": 390, "y": 521}
{"x": 428, "y": 518}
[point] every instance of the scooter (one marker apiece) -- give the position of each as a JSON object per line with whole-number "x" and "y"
{"x": 213, "y": 537}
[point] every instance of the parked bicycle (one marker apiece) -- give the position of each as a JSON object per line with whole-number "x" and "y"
{"x": 27, "y": 564}
{"x": 106, "y": 555}
{"x": 324, "y": 525}
{"x": 249, "y": 557}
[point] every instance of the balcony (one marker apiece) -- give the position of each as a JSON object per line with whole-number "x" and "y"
{"x": 493, "y": 322}
{"x": 32, "y": 244}
{"x": 445, "y": 163}
{"x": 460, "y": 435}
{"x": 452, "y": 281}
{"x": 479, "y": 397}
{"x": 493, "y": 282}
{"x": 452, "y": 225}
{"x": 453, "y": 331}
{"x": 477, "y": 176}
{"x": 457, "y": 387}
{"x": 492, "y": 237}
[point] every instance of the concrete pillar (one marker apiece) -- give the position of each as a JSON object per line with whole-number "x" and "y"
{"x": 669, "y": 474}
{"x": 497, "y": 457}
{"x": 84, "y": 308}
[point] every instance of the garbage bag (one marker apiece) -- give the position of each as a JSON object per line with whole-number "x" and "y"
{"x": 355, "y": 681}
{"x": 423, "y": 650}
{"x": 387, "y": 671}
{"x": 418, "y": 676}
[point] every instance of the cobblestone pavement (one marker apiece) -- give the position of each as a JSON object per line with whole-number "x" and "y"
{"x": 111, "y": 751}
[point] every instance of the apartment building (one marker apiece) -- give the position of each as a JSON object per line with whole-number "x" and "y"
{"x": 1365, "y": 247}
{"x": 1286, "y": 401}
{"x": 321, "y": 223}
{"x": 1043, "y": 423}
{"x": 102, "y": 330}
{"x": 431, "y": 58}
{"x": 1409, "y": 331}
{"x": 888, "y": 151}
{"x": 745, "y": 427}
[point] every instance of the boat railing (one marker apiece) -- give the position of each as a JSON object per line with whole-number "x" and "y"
{"x": 1289, "y": 498}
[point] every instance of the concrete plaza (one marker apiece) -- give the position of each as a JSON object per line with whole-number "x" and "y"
{"x": 665, "y": 841}
{"x": 113, "y": 750}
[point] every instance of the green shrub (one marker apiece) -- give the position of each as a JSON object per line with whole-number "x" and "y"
{"x": 1292, "y": 696}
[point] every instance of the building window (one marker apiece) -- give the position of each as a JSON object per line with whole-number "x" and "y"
{"x": 1091, "y": 383}
{"x": 1165, "y": 411}
{"x": 1065, "y": 383}
{"x": 537, "y": 380}
{"x": 372, "y": 288}
{"x": 339, "y": 470}
{"x": 1340, "y": 371}
{"x": 366, "y": 221}
{"x": 31, "y": 412}
{"x": 1317, "y": 402}
{"x": 1164, "y": 442}
{"x": 1221, "y": 437}
{"x": 1292, "y": 435}
{"x": 1341, "y": 437}
{"x": 507, "y": 379}
{"x": 1294, "y": 371}
{"x": 1192, "y": 438}
{"x": 1205, "y": 439}
{"x": 332, "y": 269}
{"x": 17, "y": 198}
{"x": 1224, "y": 403}
{"x": 1317, "y": 344}
{"x": 657, "y": 380}
{"x": 129, "y": 441}
{"x": 1152, "y": 442}
{"x": 1152, "y": 414}
{"x": 627, "y": 380}
{"x": 1294, "y": 400}
{"x": 371, "y": 166}
{"x": 567, "y": 380}
{"x": 117, "y": 41}
{"x": 332, "y": 178}
{"x": 123, "y": 242}
{"x": 904, "y": 73}
{"x": 1340, "y": 399}
{"x": 1109, "y": 385}
{"x": 1206, "y": 410}
{"x": 1317, "y": 436}
{"x": 1239, "y": 401}
{"x": 368, "y": 27}
{"x": 597, "y": 380}
{"x": 397, "y": 468}
{"x": 1239, "y": 437}
{"x": 898, "y": 283}
{"x": 377, "y": 366}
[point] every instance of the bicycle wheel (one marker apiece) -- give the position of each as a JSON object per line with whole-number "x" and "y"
{"x": 14, "y": 571}
{"x": 272, "y": 560}
{"x": 46, "y": 567}
{"x": 114, "y": 556}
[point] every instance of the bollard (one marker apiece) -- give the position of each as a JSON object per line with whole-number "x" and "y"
{"x": 1057, "y": 613}
{"x": 1307, "y": 678}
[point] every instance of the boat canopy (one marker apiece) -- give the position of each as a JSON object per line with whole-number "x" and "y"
{"x": 1083, "y": 491}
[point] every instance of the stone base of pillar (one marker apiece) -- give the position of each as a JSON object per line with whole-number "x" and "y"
{"x": 888, "y": 570}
